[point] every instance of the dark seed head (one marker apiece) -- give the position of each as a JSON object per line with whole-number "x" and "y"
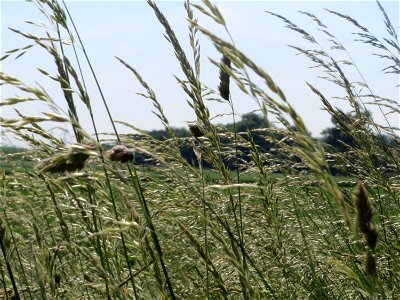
{"x": 370, "y": 264}
{"x": 364, "y": 213}
{"x": 72, "y": 160}
{"x": 223, "y": 87}
{"x": 121, "y": 153}
{"x": 195, "y": 130}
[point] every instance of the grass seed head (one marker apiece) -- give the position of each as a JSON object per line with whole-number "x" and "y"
{"x": 4, "y": 237}
{"x": 223, "y": 87}
{"x": 70, "y": 161}
{"x": 195, "y": 130}
{"x": 370, "y": 264}
{"x": 372, "y": 236}
{"x": 364, "y": 212}
{"x": 121, "y": 153}
{"x": 363, "y": 208}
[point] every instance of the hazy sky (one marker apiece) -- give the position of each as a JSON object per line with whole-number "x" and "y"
{"x": 130, "y": 30}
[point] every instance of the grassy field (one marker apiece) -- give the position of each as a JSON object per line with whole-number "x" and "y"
{"x": 16, "y": 166}
{"x": 86, "y": 223}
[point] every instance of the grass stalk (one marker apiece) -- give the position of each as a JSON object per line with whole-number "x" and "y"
{"x": 22, "y": 269}
{"x": 133, "y": 176}
{"x": 4, "y": 240}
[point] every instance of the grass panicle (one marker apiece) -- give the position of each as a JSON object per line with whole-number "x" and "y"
{"x": 223, "y": 87}
{"x": 364, "y": 213}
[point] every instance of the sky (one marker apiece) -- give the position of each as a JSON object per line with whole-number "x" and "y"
{"x": 130, "y": 30}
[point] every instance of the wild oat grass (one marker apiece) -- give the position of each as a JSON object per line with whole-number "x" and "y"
{"x": 89, "y": 223}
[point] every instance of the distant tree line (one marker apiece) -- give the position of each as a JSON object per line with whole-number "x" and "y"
{"x": 250, "y": 126}
{"x": 248, "y": 122}
{"x": 336, "y": 139}
{"x": 341, "y": 141}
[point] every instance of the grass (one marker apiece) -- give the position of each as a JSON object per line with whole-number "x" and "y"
{"x": 87, "y": 223}
{"x": 12, "y": 166}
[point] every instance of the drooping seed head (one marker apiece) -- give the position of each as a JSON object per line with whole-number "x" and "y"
{"x": 370, "y": 264}
{"x": 195, "y": 130}
{"x": 223, "y": 87}
{"x": 364, "y": 212}
{"x": 121, "y": 153}
{"x": 69, "y": 161}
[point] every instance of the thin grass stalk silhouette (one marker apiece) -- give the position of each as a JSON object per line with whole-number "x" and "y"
{"x": 4, "y": 244}
{"x": 224, "y": 91}
{"x": 134, "y": 177}
{"x": 17, "y": 251}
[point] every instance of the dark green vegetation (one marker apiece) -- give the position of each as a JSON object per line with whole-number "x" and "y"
{"x": 266, "y": 220}
{"x": 335, "y": 139}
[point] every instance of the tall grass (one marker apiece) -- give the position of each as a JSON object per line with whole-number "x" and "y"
{"x": 88, "y": 223}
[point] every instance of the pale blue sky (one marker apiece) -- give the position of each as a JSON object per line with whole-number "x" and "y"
{"x": 130, "y": 30}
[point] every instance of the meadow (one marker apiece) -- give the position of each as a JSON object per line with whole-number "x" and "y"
{"x": 79, "y": 221}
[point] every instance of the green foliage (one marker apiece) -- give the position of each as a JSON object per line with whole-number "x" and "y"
{"x": 249, "y": 121}
{"x": 338, "y": 139}
{"x": 12, "y": 150}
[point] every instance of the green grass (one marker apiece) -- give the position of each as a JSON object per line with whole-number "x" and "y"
{"x": 10, "y": 167}
{"x": 16, "y": 166}
{"x": 89, "y": 224}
